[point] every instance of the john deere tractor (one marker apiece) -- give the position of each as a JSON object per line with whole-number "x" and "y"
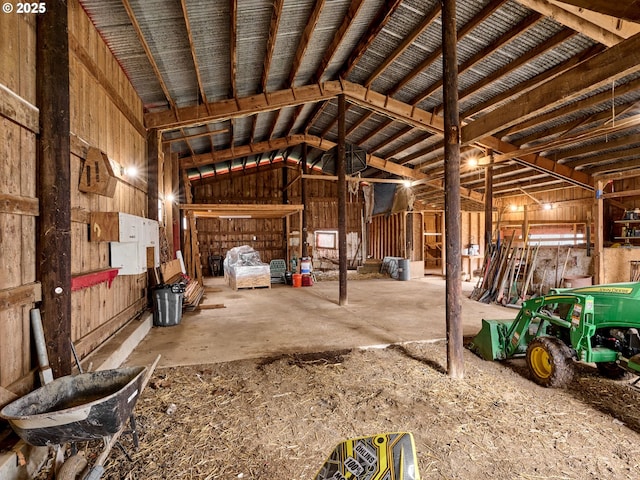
{"x": 597, "y": 324}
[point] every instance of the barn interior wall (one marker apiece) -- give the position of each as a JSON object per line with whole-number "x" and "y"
{"x": 19, "y": 209}
{"x": 267, "y": 236}
{"x": 107, "y": 114}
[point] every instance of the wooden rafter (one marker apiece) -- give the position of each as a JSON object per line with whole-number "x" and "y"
{"x": 406, "y": 43}
{"x": 615, "y": 165}
{"x": 533, "y": 82}
{"x": 605, "y": 157}
{"x": 196, "y": 135}
{"x": 488, "y": 9}
{"x": 554, "y": 41}
{"x": 331, "y": 50}
{"x": 359, "y": 122}
{"x": 307, "y": 33}
{"x": 252, "y": 134}
{"x": 388, "y": 141}
{"x": 421, "y": 153}
{"x": 612, "y": 64}
{"x": 562, "y": 130}
{"x": 592, "y": 101}
{"x": 519, "y": 29}
{"x": 194, "y": 58}
{"x": 401, "y": 148}
{"x": 233, "y": 42}
{"x": 276, "y": 14}
{"x": 592, "y": 148}
{"x": 626, "y": 9}
{"x": 241, "y": 107}
{"x": 541, "y": 163}
{"x": 315, "y": 115}
{"x": 575, "y": 22}
{"x": 375, "y": 27}
{"x": 147, "y": 51}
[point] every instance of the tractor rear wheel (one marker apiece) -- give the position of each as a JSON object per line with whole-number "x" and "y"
{"x": 549, "y": 361}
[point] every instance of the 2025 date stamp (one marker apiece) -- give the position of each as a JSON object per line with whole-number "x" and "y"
{"x": 25, "y": 7}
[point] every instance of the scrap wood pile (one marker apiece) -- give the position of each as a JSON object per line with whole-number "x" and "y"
{"x": 507, "y": 273}
{"x": 170, "y": 273}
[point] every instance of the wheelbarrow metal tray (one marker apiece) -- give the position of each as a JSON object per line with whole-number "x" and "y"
{"x": 76, "y": 408}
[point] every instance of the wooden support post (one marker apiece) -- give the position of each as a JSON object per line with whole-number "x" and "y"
{"x": 598, "y": 216}
{"x": 303, "y": 194}
{"x": 488, "y": 205}
{"x": 342, "y": 199}
{"x": 154, "y": 146}
{"x": 54, "y": 246}
{"x": 455, "y": 365}
{"x": 175, "y": 182}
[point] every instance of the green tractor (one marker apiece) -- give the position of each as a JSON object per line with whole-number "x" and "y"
{"x": 597, "y": 324}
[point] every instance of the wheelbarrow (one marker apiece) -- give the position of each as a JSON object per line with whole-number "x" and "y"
{"x": 77, "y": 408}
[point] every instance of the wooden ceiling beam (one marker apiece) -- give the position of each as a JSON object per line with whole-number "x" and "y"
{"x": 196, "y": 135}
{"x": 488, "y": 9}
{"x": 598, "y": 71}
{"x": 194, "y": 58}
{"x": 626, "y": 19}
{"x": 150, "y": 57}
{"x": 519, "y": 29}
{"x": 376, "y": 25}
{"x": 233, "y": 43}
{"x": 530, "y": 84}
{"x": 276, "y": 14}
{"x": 358, "y": 123}
{"x": 563, "y": 129}
{"x": 592, "y": 148}
{"x": 305, "y": 40}
{"x": 585, "y": 103}
{"x": 629, "y": 123}
{"x": 593, "y": 163}
{"x": 535, "y": 52}
{"x": 401, "y": 148}
{"x": 388, "y": 141}
{"x": 575, "y": 22}
{"x": 541, "y": 163}
{"x": 242, "y": 107}
{"x": 347, "y": 21}
{"x": 406, "y": 43}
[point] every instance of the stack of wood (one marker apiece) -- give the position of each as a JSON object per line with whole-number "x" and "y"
{"x": 507, "y": 273}
{"x": 170, "y": 273}
{"x": 192, "y": 296}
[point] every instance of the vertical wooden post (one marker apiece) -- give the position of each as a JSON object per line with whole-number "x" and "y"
{"x": 303, "y": 194}
{"x": 175, "y": 182}
{"x": 153, "y": 154}
{"x": 54, "y": 246}
{"x": 488, "y": 205}
{"x": 598, "y": 251}
{"x": 342, "y": 199}
{"x": 455, "y": 367}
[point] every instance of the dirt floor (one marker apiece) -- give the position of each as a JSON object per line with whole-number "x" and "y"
{"x": 281, "y": 417}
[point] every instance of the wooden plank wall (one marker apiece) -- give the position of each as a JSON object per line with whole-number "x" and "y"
{"x": 570, "y": 205}
{"x": 216, "y": 236}
{"x": 18, "y": 202}
{"x": 106, "y": 113}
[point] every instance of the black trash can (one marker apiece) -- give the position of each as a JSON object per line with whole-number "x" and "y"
{"x": 167, "y": 304}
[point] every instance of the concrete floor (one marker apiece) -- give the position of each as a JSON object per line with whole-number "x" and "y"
{"x": 284, "y": 320}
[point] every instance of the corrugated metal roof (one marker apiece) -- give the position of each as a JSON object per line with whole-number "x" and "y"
{"x": 165, "y": 30}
